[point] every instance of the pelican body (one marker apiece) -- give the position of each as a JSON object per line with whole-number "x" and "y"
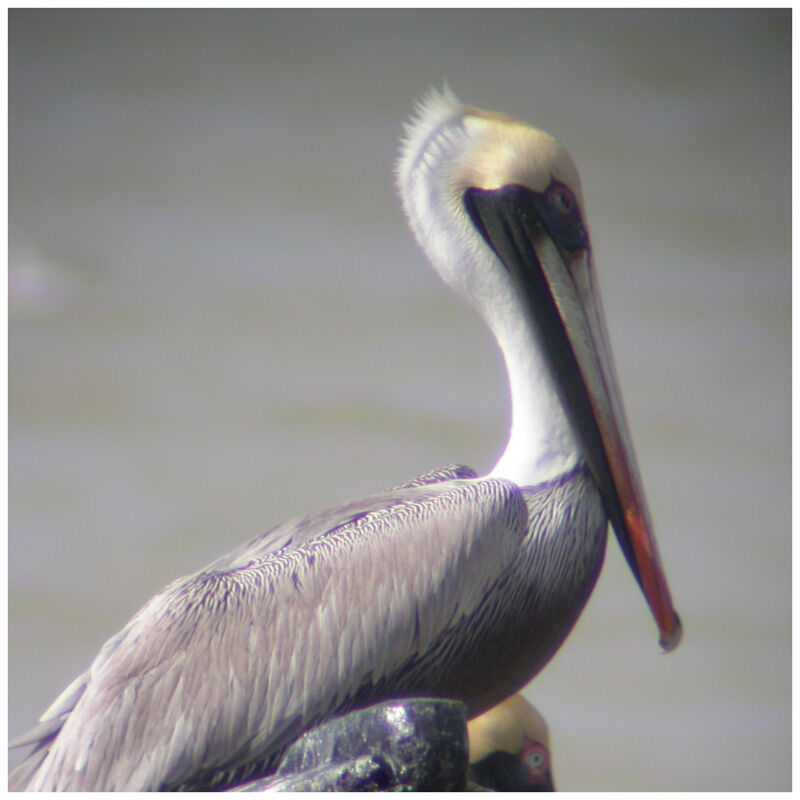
{"x": 451, "y": 585}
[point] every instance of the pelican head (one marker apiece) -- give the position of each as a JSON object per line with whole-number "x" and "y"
{"x": 498, "y": 208}
{"x": 509, "y": 748}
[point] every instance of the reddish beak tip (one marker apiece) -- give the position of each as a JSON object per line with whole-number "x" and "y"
{"x": 671, "y": 638}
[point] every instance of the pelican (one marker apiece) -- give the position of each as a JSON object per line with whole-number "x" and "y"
{"x": 451, "y": 585}
{"x": 509, "y": 748}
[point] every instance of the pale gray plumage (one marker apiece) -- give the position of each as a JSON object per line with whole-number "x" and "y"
{"x": 447, "y": 586}
{"x": 224, "y": 683}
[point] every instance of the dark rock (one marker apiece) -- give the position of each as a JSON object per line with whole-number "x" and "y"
{"x": 402, "y": 745}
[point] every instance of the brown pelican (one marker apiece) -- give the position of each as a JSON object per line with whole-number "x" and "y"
{"x": 449, "y": 586}
{"x": 509, "y": 748}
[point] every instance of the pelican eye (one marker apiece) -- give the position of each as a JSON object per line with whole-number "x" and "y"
{"x": 561, "y": 199}
{"x": 534, "y": 758}
{"x": 561, "y": 215}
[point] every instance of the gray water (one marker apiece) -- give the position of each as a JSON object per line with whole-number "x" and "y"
{"x": 218, "y": 320}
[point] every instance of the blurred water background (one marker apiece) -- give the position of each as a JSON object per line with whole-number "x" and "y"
{"x": 218, "y": 320}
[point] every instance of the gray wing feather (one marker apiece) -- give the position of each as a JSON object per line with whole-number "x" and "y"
{"x": 453, "y": 472}
{"x": 224, "y": 668}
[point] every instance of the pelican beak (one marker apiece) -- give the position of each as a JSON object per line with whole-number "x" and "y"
{"x": 541, "y": 240}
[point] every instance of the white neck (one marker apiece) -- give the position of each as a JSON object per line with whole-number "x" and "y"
{"x": 541, "y": 444}
{"x": 430, "y": 176}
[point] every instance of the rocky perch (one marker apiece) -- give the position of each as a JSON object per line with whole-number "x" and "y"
{"x": 401, "y": 745}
